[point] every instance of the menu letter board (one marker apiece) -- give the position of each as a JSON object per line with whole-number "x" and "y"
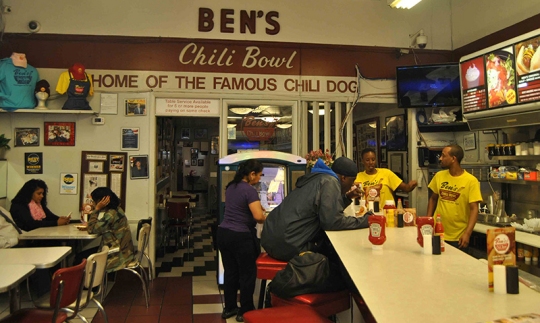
{"x": 501, "y": 77}
{"x": 473, "y": 85}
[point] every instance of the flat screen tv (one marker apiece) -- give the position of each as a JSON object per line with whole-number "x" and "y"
{"x": 423, "y": 86}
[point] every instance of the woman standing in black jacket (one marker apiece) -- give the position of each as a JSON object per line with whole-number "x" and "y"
{"x": 29, "y": 207}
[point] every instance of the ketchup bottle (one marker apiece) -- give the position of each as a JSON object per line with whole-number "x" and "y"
{"x": 377, "y": 234}
{"x": 424, "y": 224}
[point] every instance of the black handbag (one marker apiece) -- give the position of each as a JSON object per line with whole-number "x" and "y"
{"x": 306, "y": 273}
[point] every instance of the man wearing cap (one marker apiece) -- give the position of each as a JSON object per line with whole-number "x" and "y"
{"x": 316, "y": 205}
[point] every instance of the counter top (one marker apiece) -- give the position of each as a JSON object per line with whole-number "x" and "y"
{"x": 522, "y": 237}
{"x": 401, "y": 284}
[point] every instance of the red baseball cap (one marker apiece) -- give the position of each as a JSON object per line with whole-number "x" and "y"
{"x": 77, "y": 70}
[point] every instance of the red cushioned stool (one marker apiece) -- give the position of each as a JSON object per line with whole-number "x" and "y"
{"x": 267, "y": 267}
{"x": 296, "y": 314}
{"x": 325, "y": 304}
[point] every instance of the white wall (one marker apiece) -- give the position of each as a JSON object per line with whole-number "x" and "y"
{"x": 348, "y": 22}
{"x": 472, "y": 20}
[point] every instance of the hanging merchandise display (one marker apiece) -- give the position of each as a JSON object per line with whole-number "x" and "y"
{"x": 17, "y": 82}
{"x": 78, "y": 85}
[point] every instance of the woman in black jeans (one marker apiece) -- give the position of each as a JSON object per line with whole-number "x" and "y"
{"x": 237, "y": 239}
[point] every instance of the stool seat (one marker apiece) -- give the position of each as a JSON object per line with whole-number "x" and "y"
{"x": 325, "y": 304}
{"x": 296, "y": 314}
{"x": 267, "y": 267}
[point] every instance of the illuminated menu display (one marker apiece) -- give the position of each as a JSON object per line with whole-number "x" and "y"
{"x": 500, "y": 78}
{"x": 528, "y": 70}
{"x": 473, "y": 85}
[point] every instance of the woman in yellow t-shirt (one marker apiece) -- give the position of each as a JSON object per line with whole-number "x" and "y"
{"x": 379, "y": 184}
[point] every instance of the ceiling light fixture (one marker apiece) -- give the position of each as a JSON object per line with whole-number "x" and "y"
{"x": 270, "y": 119}
{"x": 231, "y": 125}
{"x": 284, "y": 125}
{"x": 321, "y": 111}
{"x": 240, "y": 110}
{"x": 402, "y": 4}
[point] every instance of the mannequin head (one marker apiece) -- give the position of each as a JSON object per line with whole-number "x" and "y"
{"x": 77, "y": 70}
{"x": 19, "y": 59}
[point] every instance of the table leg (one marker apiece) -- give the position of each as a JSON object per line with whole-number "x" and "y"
{"x": 14, "y": 299}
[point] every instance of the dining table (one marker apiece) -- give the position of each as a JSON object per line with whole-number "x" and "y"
{"x": 11, "y": 276}
{"x": 60, "y": 232}
{"x": 38, "y": 258}
{"x": 402, "y": 284}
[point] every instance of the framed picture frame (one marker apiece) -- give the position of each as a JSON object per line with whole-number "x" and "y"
{"x": 135, "y": 107}
{"x": 396, "y": 133}
{"x": 200, "y": 162}
{"x": 384, "y": 155}
{"x": 194, "y": 162}
{"x": 138, "y": 165}
{"x": 367, "y": 136}
{"x": 129, "y": 138}
{"x": 214, "y": 146}
{"x": 26, "y": 137}
{"x": 201, "y": 133}
{"x": 469, "y": 141}
{"x": 69, "y": 183}
{"x": 59, "y": 134}
{"x": 185, "y": 133}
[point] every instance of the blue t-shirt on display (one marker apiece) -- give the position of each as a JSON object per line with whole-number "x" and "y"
{"x": 17, "y": 85}
{"x": 237, "y": 216}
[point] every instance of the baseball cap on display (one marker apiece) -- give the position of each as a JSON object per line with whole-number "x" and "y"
{"x": 77, "y": 70}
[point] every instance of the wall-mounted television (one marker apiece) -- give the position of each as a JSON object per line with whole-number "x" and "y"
{"x": 424, "y": 86}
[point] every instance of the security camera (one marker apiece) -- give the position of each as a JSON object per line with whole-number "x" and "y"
{"x": 34, "y": 26}
{"x": 421, "y": 41}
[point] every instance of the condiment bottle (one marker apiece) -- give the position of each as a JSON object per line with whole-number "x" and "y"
{"x": 424, "y": 225}
{"x": 400, "y": 212}
{"x": 439, "y": 230}
{"x": 389, "y": 212}
{"x": 377, "y": 234}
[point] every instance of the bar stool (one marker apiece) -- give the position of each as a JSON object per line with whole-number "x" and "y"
{"x": 297, "y": 314}
{"x": 326, "y": 304}
{"x": 267, "y": 267}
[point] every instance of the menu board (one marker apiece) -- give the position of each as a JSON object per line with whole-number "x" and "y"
{"x": 502, "y": 77}
{"x": 473, "y": 84}
{"x": 528, "y": 70}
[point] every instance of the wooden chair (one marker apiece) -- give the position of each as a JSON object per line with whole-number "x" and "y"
{"x": 66, "y": 288}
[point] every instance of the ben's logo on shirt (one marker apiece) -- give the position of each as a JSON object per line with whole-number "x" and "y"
{"x": 23, "y": 77}
{"x": 372, "y": 183}
{"x": 449, "y": 192}
{"x": 446, "y": 186}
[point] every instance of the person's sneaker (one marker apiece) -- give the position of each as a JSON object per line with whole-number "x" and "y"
{"x": 227, "y": 314}
{"x": 240, "y": 318}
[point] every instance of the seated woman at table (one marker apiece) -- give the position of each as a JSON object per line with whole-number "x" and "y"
{"x": 108, "y": 220}
{"x": 29, "y": 207}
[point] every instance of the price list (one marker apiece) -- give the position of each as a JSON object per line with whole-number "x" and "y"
{"x": 474, "y": 99}
{"x": 529, "y": 87}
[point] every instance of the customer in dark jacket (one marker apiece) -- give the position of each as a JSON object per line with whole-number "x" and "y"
{"x": 29, "y": 207}
{"x": 316, "y": 205}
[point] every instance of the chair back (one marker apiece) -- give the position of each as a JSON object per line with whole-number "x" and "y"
{"x": 72, "y": 280}
{"x": 95, "y": 268}
{"x": 142, "y": 244}
{"x": 140, "y": 224}
{"x": 177, "y": 210}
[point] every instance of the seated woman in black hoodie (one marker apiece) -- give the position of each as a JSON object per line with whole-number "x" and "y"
{"x": 29, "y": 207}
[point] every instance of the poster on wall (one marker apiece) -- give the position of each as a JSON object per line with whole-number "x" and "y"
{"x": 117, "y": 163}
{"x": 130, "y": 139}
{"x": 33, "y": 163}
{"x": 139, "y": 166}
{"x": 26, "y": 137}
{"x": 68, "y": 183}
{"x": 91, "y": 182}
{"x": 59, "y": 134}
{"x": 135, "y": 107}
{"x": 528, "y": 70}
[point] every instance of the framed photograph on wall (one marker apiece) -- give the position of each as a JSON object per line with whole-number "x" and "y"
{"x": 130, "y": 138}
{"x": 469, "y": 141}
{"x": 201, "y": 133}
{"x": 396, "y": 133}
{"x": 367, "y": 136}
{"x": 185, "y": 133}
{"x": 135, "y": 107}
{"x": 59, "y": 134}
{"x": 200, "y": 162}
{"x": 384, "y": 156}
{"x": 26, "y": 137}
{"x": 139, "y": 166}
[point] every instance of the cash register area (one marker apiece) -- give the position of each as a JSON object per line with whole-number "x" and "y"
{"x": 185, "y": 289}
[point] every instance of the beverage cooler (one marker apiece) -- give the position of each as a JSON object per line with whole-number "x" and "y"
{"x": 280, "y": 172}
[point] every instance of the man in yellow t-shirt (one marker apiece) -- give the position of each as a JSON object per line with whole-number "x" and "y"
{"x": 455, "y": 197}
{"x": 379, "y": 184}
